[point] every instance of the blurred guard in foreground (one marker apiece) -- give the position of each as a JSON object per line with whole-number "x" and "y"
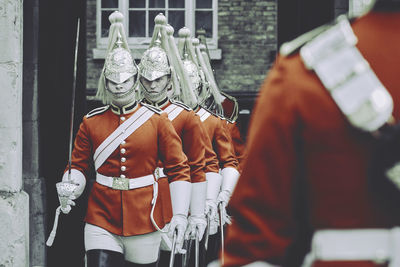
{"x": 314, "y": 189}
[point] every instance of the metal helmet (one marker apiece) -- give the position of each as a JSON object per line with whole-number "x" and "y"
{"x": 193, "y": 72}
{"x": 154, "y": 63}
{"x": 119, "y": 65}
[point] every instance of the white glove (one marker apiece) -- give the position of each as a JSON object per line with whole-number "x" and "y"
{"x": 180, "y": 198}
{"x": 225, "y": 217}
{"x": 178, "y": 223}
{"x": 214, "y": 224}
{"x": 211, "y": 209}
{"x": 196, "y": 224}
{"x": 68, "y": 208}
{"x": 222, "y": 200}
{"x": 224, "y": 197}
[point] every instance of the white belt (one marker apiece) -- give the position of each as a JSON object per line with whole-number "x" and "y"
{"x": 377, "y": 245}
{"x": 126, "y": 184}
{"x": 119, "y": 183}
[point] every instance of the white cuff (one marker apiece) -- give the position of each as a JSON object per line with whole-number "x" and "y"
{"x": 198, "y": 199}
{"x": 78, "y": 178}
{"x": 230, "y": 177}
{"x": 180, "y": 197}
{"x": 214, "y": 181}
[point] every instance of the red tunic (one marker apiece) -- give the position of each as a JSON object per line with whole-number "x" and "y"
{"x": 237, "y": 142}
{"x": 221, "y": 141}
{"x": 127, "y": 213}
{"x": 188, "y": 127}
{"x": 297, "y": 129}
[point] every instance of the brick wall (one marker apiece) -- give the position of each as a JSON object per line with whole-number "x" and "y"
{"x": 247, "y": 36}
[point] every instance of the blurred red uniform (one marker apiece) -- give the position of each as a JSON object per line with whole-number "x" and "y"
{"x": 307, "y": 167}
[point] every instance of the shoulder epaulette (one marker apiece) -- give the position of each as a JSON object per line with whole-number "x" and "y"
{"x": 97, "y": 111}
{"x": 293, "y": 46}
{"x": 152, "y": 108}
{"x": 180, "y": 104}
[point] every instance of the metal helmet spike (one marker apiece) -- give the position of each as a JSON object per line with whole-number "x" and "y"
{"x": 154, "y": 62}
{"x": 119, "y": 65}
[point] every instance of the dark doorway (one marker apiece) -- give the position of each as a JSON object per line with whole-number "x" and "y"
{"x": 296, "y": 17}
{"x": 57, "y": 35}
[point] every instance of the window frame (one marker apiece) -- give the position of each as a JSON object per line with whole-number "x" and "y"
{"x": 143, "y": 42}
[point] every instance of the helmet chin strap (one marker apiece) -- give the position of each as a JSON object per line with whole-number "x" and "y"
{"x": 158, "y": 97}
{"x": 121, "y": 101}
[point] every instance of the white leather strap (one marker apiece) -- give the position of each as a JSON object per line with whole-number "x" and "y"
{"x": 133, "y": 182}
{"x": 347, "y": 76}
{"x": 159, "y": 173}
{"x": 173, "y": 111}
{"x": 203, "y": 114}
{"x": 378, "y": 245}
{"x": 105, "y": 149}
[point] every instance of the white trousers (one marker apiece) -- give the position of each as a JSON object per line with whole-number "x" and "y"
{"x": 141, "y": 249}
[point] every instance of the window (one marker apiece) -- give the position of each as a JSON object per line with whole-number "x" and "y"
{"x": 139, "y": 19}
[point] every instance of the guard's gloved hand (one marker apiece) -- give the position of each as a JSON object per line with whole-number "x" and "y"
{"x": 178, "y": 224}
{"x": 180, "y": 198}
{"x": 211, "y": 209}
{"x": 66, "y": 209}
{"x": 196, "y": 225}
{"x": 230, "y": 176}
{"x": 223, "y": 197}
{"x": 214, "y": 181}
{"x": 225, "y": 217}
{"x": 79, "y": 181}
{"x": 197, "y": 218}
{"x": 214, "y": 224}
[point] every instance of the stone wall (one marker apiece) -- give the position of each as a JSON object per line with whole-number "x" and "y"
{"x": 247, "y": 33}
{"x": 33, "y": 184}
{"x": 14, "y": 206}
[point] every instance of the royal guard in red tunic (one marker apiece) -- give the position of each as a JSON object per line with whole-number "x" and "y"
{"x": 158, "y": 76}
{"x": 218, "y": 134}
{"x": 306, "y": 196}
{"x": 220, "y": 102}
{"x": 124, "y": 141}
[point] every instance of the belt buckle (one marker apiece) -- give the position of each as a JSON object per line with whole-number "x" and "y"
{"x": 120, "y": 183}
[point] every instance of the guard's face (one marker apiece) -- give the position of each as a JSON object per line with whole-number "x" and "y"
{"x": 156, "y": 90}
{"x": 121, "y": 94}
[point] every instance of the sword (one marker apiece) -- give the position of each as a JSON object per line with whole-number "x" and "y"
{"x": 188, "y": 252}
{"x": 196, "y": 250}
{"x": 66, "y": 189}
{"x": 71, "y": 127}
{"x": 172, "y": 258}
{"x": 207, "y": 232}
{"x": 221, "y": 225}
